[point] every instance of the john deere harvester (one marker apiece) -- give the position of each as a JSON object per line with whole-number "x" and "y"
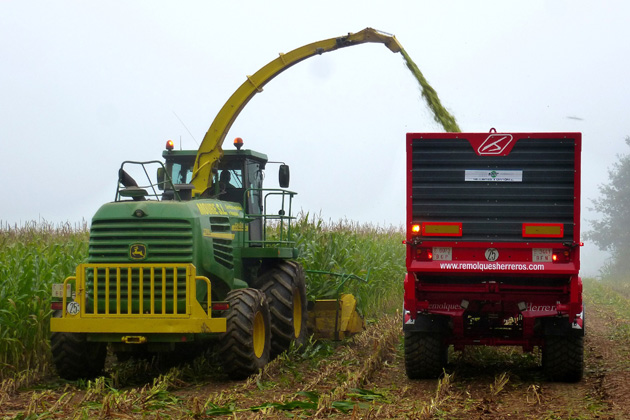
{"x": 194, "y": 251}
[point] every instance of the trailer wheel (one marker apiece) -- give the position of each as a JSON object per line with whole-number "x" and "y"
{"x": 563, "y": 358}
{"x": 285, "y": 288}
{"x": 245, "y": 346}
{"x": 426, "y": 355}
{"x": 75, "y": 357}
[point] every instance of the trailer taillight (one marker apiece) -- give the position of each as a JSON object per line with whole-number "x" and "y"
{"x": 424, "y": 254}
{"x": 415, "y": 229}
{"x": 561, "y": 256}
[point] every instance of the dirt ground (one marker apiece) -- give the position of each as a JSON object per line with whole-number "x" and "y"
{"x": 363, "y": 378}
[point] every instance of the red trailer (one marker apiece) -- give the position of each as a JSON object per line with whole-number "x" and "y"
{"x": 493, "y": 241}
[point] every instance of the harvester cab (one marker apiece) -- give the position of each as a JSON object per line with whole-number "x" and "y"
{"x": 237, "y": 178}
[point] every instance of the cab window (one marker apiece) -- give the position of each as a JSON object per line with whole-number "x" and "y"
{"x": 230, "y": 178}
{"x": 182, "y": 173}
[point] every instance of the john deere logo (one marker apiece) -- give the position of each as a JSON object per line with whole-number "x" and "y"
{"x": 493, "y": 174}
{"x": 138, "y": 252}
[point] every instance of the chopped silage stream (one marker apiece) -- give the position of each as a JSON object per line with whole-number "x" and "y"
{"x": 440, "y": 114}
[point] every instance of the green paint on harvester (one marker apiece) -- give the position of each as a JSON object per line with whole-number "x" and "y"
{"x": 440, "y": 114}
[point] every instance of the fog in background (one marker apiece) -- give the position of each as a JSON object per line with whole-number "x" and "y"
{"x": 86, "y": 85}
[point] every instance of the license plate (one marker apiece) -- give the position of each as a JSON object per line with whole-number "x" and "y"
{"x": 57, "y": 290}
{"x": 442, "y": 254}
{"x": 541, "y": 254}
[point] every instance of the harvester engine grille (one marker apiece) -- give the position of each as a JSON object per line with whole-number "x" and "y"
{"x": 161, "y": 240}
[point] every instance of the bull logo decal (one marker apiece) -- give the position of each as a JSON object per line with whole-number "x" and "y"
{"x": 138, "y": 252}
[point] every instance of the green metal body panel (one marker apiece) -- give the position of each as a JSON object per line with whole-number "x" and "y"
{"x": 202, "y": 232}
{"x": 282, "y": 253}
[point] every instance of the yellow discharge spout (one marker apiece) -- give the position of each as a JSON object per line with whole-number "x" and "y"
{"x": 210, "y": 149}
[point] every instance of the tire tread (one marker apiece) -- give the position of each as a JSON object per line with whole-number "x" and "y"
{"x": 426, "y": 355}
{"x": 279, "y": 283}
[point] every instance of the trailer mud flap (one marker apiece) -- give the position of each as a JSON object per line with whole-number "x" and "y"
{"x": 427, "y": 323}
{"x": 561, "y": 326}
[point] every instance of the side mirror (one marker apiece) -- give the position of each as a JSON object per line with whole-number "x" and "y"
{"x": 284, "y": 176}
{"x": 160, "y": 178}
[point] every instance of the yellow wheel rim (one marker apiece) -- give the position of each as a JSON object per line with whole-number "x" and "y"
{"x": 297, "y": 314}
{"x": 259, "y": 334}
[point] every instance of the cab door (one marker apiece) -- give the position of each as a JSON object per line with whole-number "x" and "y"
{"x": 253, "y": 182}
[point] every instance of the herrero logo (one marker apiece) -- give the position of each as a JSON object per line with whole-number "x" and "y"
{"x": 495, "y": 144}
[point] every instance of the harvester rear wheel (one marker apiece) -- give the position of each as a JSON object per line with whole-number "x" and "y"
{"x": 245, "y": 346}
{"x": 563, "y": 358}
{"x": 285, "y": 288}
{"x": 426, "y": 355}
{"x": 77, "y": 358}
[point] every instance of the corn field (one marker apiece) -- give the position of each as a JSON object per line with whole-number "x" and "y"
{"x": 32, "y": 257}
{"x": 363, "y": 377}
{"x": 352, "y": 251}
{"x": 35, "y": 255}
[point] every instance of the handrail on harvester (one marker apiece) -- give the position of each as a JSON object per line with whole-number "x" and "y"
{"x": 210, "y": 149}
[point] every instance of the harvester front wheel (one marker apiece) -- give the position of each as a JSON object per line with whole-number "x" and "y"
{"x": 426, "y": 355}
{"x": 285, "y": 288}
{"x": 563, "y": 358}
{"x": 75, "y": 357}
{"x": 245, "y": 346}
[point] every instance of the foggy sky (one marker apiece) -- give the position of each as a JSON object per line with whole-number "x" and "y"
{"x": 86, "y": 85}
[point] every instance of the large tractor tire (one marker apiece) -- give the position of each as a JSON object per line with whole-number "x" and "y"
{"x": 77, "y": 358}
{"x": 563, "y": 358}
{"x": 285, "y": 288}
{"x": 426, "y": 355}
{"x": 245, "y": 346}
